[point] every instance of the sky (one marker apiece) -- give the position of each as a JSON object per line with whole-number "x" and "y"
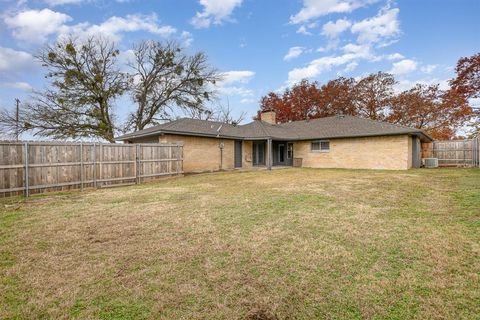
{"x": 258, "y": 45}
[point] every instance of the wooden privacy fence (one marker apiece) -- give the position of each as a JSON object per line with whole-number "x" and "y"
{"x": 33, "y": 167}
{"x": 454, "y": 153}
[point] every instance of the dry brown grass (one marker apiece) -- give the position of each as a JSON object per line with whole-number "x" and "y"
{"x": 294, "y": 243}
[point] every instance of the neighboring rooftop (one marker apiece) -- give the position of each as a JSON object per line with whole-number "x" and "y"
{"x": 322, "y": 128}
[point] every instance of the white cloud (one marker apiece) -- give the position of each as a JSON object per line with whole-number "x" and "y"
{"x": 334, "y": 29}
{"x": 395, "y": 56}
{"x": 304, "y": 30}
{"x": 358, "y": 49}
{"x": 235, "y": 91}
{"x": 316, "y": 8}
{"x": 351, "y": 66}
{"x": 187, "y": 38}
{"x": 318, "y": 66}
{"x": 114, "y": 26}
{"x": 236, "y": 77}
{"x": 229, "y": 78}
{"x": 247, "y": 101}
{"x": 62, "y": 2}
{"x": 406, "y": 84}
{"x": 36, "y": 25}
{"x": 214, "y": 11}
{"x": 293, "y": 52}
{"x": 384, "y": 25}
{"x": 20, "y": 85}
{"x": 429, "y": 68}
{"x": 15, "y": 61}
{"x": 352, "y": 53}
{"x": 403, "y": 66}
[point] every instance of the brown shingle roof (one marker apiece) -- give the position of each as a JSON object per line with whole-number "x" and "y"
{"x": 323, "y": 128}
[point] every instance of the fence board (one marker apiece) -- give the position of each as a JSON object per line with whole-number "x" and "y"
{"x": 457, "y": 153}
{"x": 34, "y": 167}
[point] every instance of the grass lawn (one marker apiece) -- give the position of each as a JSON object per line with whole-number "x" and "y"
{"x": 294, "y": 243}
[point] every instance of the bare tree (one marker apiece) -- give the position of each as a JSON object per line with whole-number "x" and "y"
{"x": 220, "y": 112}
{"x": 84, "y": 83}
{"x": 204, "y": 113}
{"x": 166, "y": 78}
{"x": 223, "y": 113}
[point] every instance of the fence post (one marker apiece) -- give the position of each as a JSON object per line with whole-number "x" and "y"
{"x": 27, "y": 193}
{"x": 94, "y": 165}
{"x": 81, "y": 166}
{"x": 137, "y": 164}
{"x": 177, "y": 164}
{"x": 100, "y": 163}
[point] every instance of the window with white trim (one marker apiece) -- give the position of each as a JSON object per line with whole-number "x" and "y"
{"x": 320, "y": 146}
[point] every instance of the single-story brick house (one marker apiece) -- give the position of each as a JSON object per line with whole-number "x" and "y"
{"x": 332, "y": 142}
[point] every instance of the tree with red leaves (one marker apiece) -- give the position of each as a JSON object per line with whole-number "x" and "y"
{"x": 373, "y": 95}
{"x": 427, "y": 107}
{"x": 440, "y": 113}
{"x": 298, "y": 103}
{"x": 467, "y": 81}
{"x": 467, "y": 84}
{"x": 306, "y": 100}
{"x": 338, "y": 97}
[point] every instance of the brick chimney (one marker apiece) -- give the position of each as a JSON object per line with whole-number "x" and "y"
{"x": 268, "y": 116}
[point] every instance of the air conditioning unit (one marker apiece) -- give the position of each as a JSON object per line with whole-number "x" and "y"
{"x": 430, "y": 162}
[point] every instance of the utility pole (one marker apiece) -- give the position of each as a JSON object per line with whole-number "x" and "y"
{"x": 17, "y": 129}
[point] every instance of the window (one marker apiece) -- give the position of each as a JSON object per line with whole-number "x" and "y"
{"x": 290, "y": 150}
{"x": 320, "y": 146}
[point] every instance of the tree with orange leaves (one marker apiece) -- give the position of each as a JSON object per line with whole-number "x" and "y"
{"x": 298, "y": 103}
{"x": 439, "y": 112}
{"x": 338, "y": 97}
{"x": 306, "y": 100}
{"x": 467, "y": 84}
{"x": 373, "y": 95}
{"x": 427, "y": 107}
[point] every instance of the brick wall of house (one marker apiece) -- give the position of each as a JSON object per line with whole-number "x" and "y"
{"x": 410, "y": 150}
{"x": 386, "y": 152}
{"x": 247, "y": 156}
{"x": 202, "y": 154}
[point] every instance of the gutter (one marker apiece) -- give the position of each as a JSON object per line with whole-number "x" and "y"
{"x": 266, "y": 137}
{"x": 181, "y": 133}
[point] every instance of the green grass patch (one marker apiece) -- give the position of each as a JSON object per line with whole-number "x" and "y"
{"x": 285, "y": 244}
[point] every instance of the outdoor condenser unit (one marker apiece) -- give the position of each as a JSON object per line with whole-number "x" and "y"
{"x": 431, "y": 162}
